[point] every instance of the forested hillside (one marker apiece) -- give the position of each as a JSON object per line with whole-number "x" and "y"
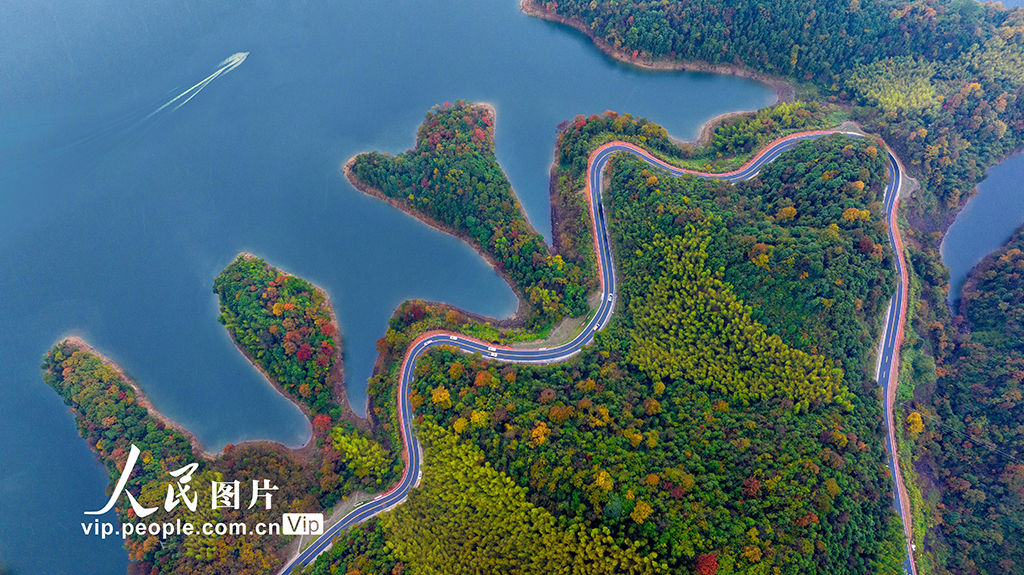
{"x": 758, "y": 448}
{"x": 469, "y": 518}
{"x": 687, "y": 465}
{"x": 804, "y": 243}
{"x": 939, "y": 80}
{"x": 968, "y": 428}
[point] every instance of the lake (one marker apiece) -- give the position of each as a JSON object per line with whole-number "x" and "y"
{"x": 988, "y": 219}
{"x": 116, "y": 212}
{"x": 986, "y": 222}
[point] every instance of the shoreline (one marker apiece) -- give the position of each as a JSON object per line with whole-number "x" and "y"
{"x": 516, "y": 319}
{"x": 303, "y": 454}
{"x": 337, "y": 372}
{"x": 493, "y": 112}
{"x": 709, "y": 128}
{"x": 784, "y": 91}
{"x": 142, "y": 398}
{"x": 369, "y": 190}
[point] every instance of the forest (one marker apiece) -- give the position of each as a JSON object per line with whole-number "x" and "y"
{"x": 452, "y": 177}
{"x": 284, "y": 323}
{"x": 468, "y": 518}
{"x": 965, "y": 424}
{"x": 804, "y": 243}
{"x": 758, "y": 450}
{"x": 938, "y": 80}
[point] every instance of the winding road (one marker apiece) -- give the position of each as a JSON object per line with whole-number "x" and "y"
{"x": 888, "y": 363}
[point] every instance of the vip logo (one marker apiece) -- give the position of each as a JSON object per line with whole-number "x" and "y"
{"x": 302, "y": 524}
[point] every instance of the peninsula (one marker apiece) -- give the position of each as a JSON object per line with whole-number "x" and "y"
{"x": 941, "y": 83}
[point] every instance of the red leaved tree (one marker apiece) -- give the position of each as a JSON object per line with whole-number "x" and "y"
{"x": 707, "y": 564}
{"x": 322, "y": 423}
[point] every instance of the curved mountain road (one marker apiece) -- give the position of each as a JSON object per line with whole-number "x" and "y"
{"x": 888, "y": 363}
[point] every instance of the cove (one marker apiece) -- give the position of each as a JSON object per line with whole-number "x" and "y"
{"x": 985, "y": 223}
{"x": 114, "y": 229}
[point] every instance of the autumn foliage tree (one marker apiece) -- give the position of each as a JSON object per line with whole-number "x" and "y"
{"x": 707, "y": 564}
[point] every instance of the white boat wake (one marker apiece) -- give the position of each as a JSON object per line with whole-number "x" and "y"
{"x": 229, "y": 64}
{"x": 123, "y": 132}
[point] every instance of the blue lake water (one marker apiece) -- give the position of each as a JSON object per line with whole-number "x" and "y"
{"x": 989, "y": 218}
{"x": 986, "y": 222}
{"x": 113, "y": 226}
